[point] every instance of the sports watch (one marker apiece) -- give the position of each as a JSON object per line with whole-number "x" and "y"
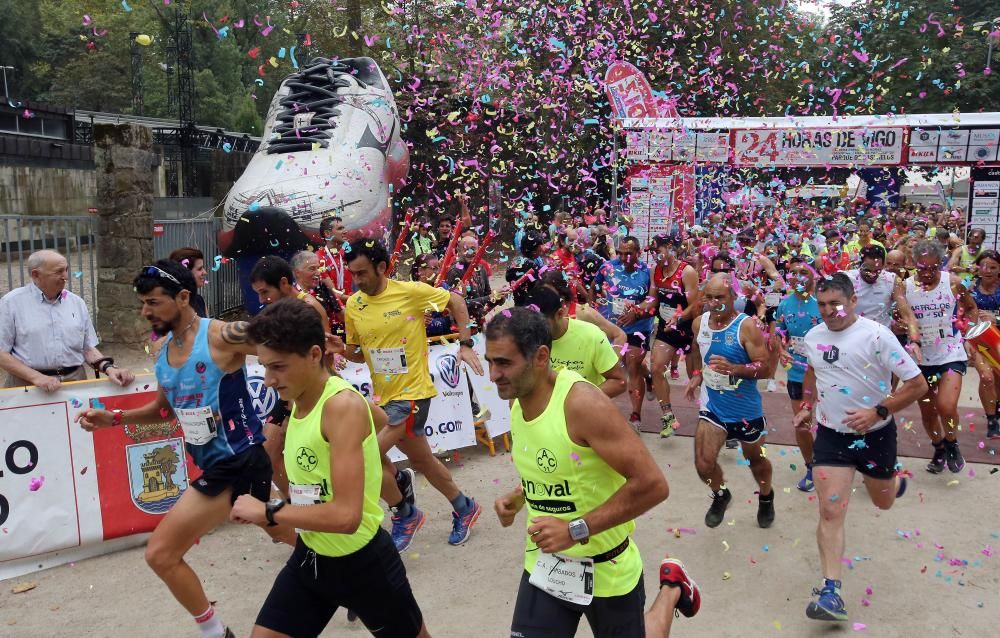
{"x": 882, "y": 411}
{"x": 468, "y": 343}
{"x": 579, "y": 531}
{"x": 271, "y": 509}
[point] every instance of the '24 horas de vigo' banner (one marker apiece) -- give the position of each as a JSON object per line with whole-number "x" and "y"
{"x": 66, "y": 494}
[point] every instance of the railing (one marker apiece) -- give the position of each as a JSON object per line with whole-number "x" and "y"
{"x": 222, "y": 294}
{"x": 72, "y": 236}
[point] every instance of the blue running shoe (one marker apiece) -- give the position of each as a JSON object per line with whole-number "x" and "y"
{"x": 829, "y": 605}
{"x": 461, "y": 526}
{"x": 806, "y": 484}
{"x": 403, "y": 529}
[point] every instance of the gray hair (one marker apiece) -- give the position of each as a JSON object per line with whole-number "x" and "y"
{"x": 299, "y": 259}
{"x": 928, "y": 248}
{"x": 38, "y": 258}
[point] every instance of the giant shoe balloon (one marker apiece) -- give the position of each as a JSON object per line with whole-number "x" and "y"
{"x": 331, "y": 147}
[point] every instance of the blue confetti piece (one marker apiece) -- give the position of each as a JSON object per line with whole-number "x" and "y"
{"x": 125, "y": 6}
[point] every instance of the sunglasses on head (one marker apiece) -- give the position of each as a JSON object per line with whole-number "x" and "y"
{"x": 153, "y": 271}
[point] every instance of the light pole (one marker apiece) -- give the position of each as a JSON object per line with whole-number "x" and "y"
{"x": 993, "y": 24}
{"x": 5, "y": 69}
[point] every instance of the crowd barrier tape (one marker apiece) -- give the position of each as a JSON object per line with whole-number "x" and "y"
{"x": 66, "y": 494}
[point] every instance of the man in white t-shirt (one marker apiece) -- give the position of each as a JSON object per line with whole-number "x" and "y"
{"x": 851, "y": 361}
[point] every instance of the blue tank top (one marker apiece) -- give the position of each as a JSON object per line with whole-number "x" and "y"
{"x": 199, "y": 383}
{"x": 731, "y": 399}
{"x": 984, "y": 301}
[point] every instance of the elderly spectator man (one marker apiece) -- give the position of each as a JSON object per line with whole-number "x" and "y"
{"x": 45, "y": 331}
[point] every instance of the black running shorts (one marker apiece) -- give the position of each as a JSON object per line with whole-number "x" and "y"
{"x": 679, "y": 336}
{"x": 540, "y": 615}
{"x": 873, "y": 454}
{"x": 371, "y": 582}
{"x": 249, "y": 472}
{"x": 751, "y": 431}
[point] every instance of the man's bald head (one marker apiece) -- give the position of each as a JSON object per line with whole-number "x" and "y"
{"x": 41, "y": 258}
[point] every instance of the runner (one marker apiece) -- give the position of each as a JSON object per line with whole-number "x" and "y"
{"x": 851, "y": 361}
{"x": 582, "y": 311}
{"x": 676, "y": 285}
{"x": 585, "y": 479}
{"x": 936, "y": 301}
{"x": 797, "y": 314}
{"x": 986, "y": 294}
{"x": 963, "y": 258}
{"x": 342, "y": 558}
{"x": 577, "y": 345}
{"x": 272, "y": 278}
{"x": 385, "y": 330}
{"x": 730, "y": 354}
{"x": 833, "y": 258}
{"x": 202, "y": 381}
{"x": 331, "y": 257}
{"x": 628, "y": 296}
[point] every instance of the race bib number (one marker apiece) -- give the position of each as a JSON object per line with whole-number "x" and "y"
{"x": 667, "y": 313}
{"x": 304, "y": 494}
{"x": 772, "y": 299}
{"x": 389, "y": 360}
{"x": 198, "y": 424}
{"x": 618, "y": 307}
{"x": 797, "y": 345}
{"x": 565, "y": 577}
{"x": 718, "y": 381}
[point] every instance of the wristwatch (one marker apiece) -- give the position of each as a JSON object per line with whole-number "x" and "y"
{"x": 579, "y": 531}
{"x": 882, "y": 411}
{"x": 272, "y": 508}
{"x": 468, "y": 343}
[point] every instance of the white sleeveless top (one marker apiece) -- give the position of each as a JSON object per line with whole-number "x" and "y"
{"x": 874, "y": 300}
{"x": 940, "y": 340}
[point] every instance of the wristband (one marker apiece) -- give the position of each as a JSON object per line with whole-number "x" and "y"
{"x": 117, "y": 417}
{"x": 695, "y": 372}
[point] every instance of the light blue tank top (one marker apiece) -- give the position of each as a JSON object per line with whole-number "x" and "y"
{"x": 731, "y": 399}
{"x": 201, "y": 383}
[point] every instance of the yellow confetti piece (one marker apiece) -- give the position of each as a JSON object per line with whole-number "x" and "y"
{"x": 726, "y": 575}
{"x": 726, "y": 545}
{"x": 777, "y": 625}
{"x": 953, "y": 482}
{"x": 787, "y": 490}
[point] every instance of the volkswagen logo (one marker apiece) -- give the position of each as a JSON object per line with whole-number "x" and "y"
{"x": 448, "y": 369}
{"x": 262, "y": 397}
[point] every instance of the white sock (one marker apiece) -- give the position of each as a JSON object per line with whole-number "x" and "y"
{"x": 210, "y": 624}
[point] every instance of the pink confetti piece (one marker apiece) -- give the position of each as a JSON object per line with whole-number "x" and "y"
{"x": 36, "y": 483}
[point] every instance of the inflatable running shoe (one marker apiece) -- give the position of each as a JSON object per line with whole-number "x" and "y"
{"x": 331, "y": 146}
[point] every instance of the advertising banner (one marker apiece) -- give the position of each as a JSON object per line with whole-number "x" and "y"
{"x": 818, "y": 147}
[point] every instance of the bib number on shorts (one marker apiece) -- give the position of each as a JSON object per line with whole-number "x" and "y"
{"x": 565, "y": 577}
{"x": 718, "y": 381}
{"x": 772, "y": 299}
{"x": 305, "y": 494}
{"x": 389, "y": 360}
{"x": 198, "y": 424}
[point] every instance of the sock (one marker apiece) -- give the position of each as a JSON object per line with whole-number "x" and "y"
{"x": 768, "y": 498}
{"x": 835, "y": 584}
{"x": 403, "y": 510}
{"x": 461, "y": 503}
{"x": 723, "y": 493}
{"x": 665, "y": 407}
{"x": 210, "y": 625}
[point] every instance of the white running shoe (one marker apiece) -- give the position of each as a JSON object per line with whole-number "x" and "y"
{"x": 331, "y": 146}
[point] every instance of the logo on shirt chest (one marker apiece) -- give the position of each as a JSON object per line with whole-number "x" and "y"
{"x": 546, "y": 462}
{"x": 832, "y": 355}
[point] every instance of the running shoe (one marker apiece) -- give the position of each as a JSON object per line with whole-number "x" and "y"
{"x": 806, "y": 484}
{"x": 403, "y": 529}
{"x": 953, "y": 457}
{"x": 732, "y": 444}
{"x": 229, "y": 633}
{"x": 404, "y": 480}
{"x": 901, "y": 488}
{"x": 772, "y": 385}
{"x": 765, "y": 511}
{"x": 673, "y": 573}
{"x": 993, "y": 429}
{"x": 337, "y": 114}
{"x": 675, "y": 373}
{"x": 461, "y": 525}
{"x": 828, "y": 605}
{"x": 669, "y": 423}
{"x": 936, "y": 466}
{"x": 717, "y": 511}
{"x": 635, "y": 421}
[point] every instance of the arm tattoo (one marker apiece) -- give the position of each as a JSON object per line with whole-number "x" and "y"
{"x": 235, "y": 333}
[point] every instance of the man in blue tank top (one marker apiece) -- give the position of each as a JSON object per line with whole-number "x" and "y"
{"x": 202, "y": 383}
{"x": 729, "y": 355}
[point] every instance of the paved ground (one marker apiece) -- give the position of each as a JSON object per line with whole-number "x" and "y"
{"x": 929, "y": 563}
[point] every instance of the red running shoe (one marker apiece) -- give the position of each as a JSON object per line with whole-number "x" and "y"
{"x": 673, "y": 573}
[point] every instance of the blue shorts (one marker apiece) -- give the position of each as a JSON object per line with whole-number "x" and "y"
{"x": 412, "y": 414}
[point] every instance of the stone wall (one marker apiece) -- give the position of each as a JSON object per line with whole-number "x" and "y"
{"x": 35, "y": 190}
{"x": 124, "y": 159}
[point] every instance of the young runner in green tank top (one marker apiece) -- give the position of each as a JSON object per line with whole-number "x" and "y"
{"x": 585, "y": 478}
{"x": 343, "y": 557}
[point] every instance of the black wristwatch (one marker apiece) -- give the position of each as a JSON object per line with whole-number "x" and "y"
{"x": 271, "y": 509}
{"x": 882, "y": 411}
{"x": 468, "y": 343}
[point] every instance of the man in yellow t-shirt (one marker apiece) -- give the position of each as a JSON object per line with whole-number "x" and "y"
{"x": 385, "y": 329}
{"x": 578, "y": 346}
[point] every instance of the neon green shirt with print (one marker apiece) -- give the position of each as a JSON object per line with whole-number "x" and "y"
{"x": 567, "y": 481}
{"x": 584, "y": 349}
{"x": 307, "y": 464}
